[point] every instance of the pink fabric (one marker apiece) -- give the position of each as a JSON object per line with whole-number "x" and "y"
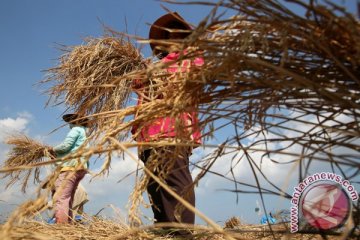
{"x": 173, "y": 68}
{"x": 164, "y": 127}
{"x": 65, "y": 187}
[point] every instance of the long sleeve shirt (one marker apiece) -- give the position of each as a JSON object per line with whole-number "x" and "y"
{"x": 73, "y": 140}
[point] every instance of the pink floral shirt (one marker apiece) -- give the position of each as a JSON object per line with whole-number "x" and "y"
{"x": 164, "y": 127}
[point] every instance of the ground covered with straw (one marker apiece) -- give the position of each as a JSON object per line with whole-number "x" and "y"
{"x": 100, "y": 229}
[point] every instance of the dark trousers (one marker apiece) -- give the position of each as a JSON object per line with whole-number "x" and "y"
{"x": 171, "y": 164}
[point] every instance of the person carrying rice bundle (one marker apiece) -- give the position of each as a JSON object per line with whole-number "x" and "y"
{"x": 72, "y": 171}
{"x": 168, "y": 161}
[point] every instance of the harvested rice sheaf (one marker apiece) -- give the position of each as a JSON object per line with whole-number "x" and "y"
{"x": 24, "y": 152}
{"x": 91, "y": 78}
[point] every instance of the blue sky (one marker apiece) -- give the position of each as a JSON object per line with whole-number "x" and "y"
{"x": 30, "y": 31}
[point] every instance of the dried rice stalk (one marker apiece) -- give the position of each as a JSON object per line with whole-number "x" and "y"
{"x": 88, "y": 78}
{"x": 24, "y": 152}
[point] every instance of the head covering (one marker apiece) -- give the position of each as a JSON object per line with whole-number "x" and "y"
{"x": 72, "y": 118}
{"x": 170, "y": 20}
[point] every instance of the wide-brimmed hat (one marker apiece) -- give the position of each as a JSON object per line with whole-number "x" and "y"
{"x": 158, "y": 30}
{"x": 72, "y": 118}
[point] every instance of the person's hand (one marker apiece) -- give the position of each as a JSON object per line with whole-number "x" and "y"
{"x": 147, "y": 62}
{"x": 51, "y": 152}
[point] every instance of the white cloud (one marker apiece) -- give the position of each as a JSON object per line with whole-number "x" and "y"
{"x": 102, "y": 185}
{"x": 14, "y": 125}
{"x": 233, "y": 164}
{"x": 104, "y": 191}
{"x": 10, "y": 126}
{"x": 284, "y": 176}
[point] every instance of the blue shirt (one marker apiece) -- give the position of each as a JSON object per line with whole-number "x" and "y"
{"x": 73, "y": 140}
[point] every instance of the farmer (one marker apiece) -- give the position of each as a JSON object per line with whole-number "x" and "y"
{"x": 71, "y": 171}
{"x": 168, "y": 162}
{"x": 80, "y": 199}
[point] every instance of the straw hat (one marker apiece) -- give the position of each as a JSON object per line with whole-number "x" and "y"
{"x": 170, "y": 20}
{"x": 71, "y": 118}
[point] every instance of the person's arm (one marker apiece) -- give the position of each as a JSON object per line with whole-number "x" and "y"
{"x": 68, "y": 142}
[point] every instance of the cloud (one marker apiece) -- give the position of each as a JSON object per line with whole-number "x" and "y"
{"x": 281, "y": 173}
{"x": 10, "y": 126}
{"x": 14, "y": 125}
{"x": 276, "y": 167}
{"x": 102, "y": 185}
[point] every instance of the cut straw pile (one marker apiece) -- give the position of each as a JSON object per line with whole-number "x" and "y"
{"x": 23, "y": 156}
{"x": 104, "y": 229}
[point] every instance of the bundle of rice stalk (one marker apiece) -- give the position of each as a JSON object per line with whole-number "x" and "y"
{"x": 268, "y": 61}
{"x": 268, "y": 54}
{"x": 91, "y": 78}
{"x": 24, "y": 153}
